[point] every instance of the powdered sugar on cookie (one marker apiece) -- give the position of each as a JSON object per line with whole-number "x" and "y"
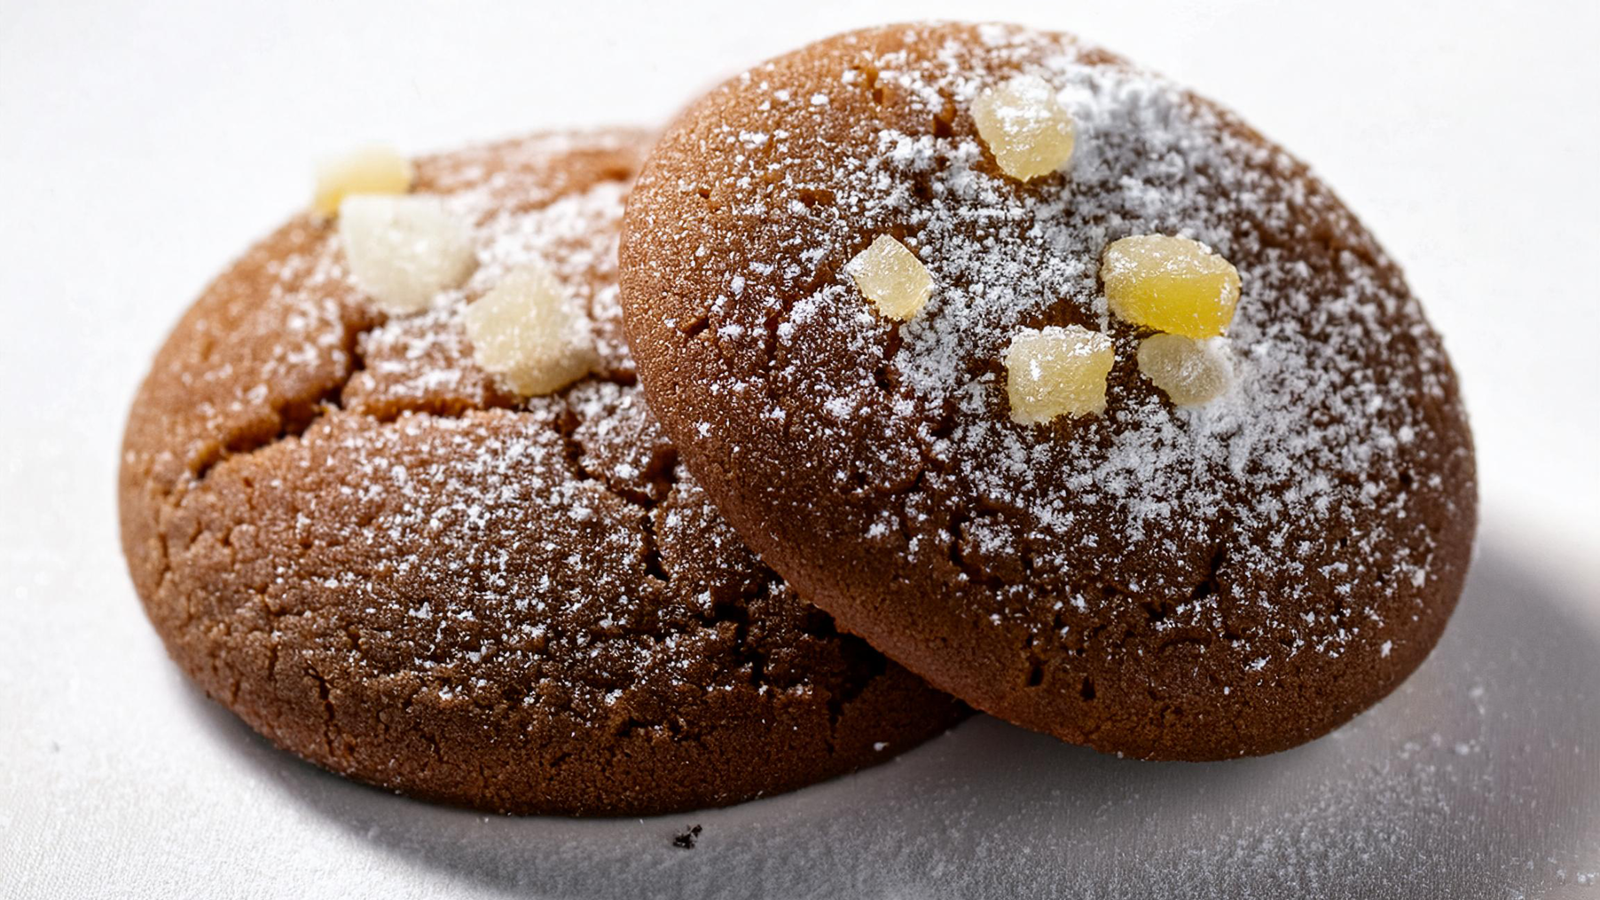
{"x": 355, "y": 496}
{"x": 1313, "y": 435}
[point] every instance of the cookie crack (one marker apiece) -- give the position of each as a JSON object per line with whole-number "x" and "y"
{"x": 326, "y": 696}
{"x": 293, "y": 416}
{"x": 737, "y": 611}
{"x": 853, "y": 683}
{"x": 665, "y": 478}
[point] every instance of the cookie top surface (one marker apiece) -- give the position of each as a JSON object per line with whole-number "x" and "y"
{"x": 385, "y": 561}
{"x": 1167, "y": 582}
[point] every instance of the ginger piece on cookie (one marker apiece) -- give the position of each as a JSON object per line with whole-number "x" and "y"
{"x": 370, "y": 170}
{"x": 1025, "y": 127}
{"x": 404, "y": 250}
{"x": 1056, "y": 371}
{"x": 1170, "y": 284}
{"x": 892, "y": 278}
{"x": 530, "y": 333}
{"x": 1191, "y": 372}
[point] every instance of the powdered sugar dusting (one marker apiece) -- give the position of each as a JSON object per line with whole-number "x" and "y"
{"x": 396, "y": 523}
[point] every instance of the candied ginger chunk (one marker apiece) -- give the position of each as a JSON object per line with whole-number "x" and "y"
{"x": 370, "y": 170}
{"x": 1191, "y": 372}
{"x": 892, "y": 278}
{"x": 1171, "y": 284}
{"x": 1057, "y": 371}
{"x": 530, "y": 333}
{"x": 404, "y": 250}
{"x": 1025, "y": 127}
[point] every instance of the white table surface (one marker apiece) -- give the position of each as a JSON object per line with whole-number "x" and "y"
{"x": 143, "y": 145}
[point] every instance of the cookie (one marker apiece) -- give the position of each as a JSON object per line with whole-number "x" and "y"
{"x": 1057, "y": 383}
{"x": 386, "y": 559}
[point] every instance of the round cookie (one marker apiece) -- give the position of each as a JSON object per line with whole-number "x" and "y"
{"x": 1198, "y": 582}
{"x": 367, "y": 547}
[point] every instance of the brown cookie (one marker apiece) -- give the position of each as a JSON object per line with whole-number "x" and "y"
{"x": 1226, "y": 578}
{"x": 381, "y": 559}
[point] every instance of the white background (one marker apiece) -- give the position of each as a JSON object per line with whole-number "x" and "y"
{"x": 143, "y": 145}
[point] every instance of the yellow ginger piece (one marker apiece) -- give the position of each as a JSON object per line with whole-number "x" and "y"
{"x": 1171, "y": 284}
{"x": 530, "y": 333}
{"x": 370, "y": 170}
{"x": 1057, "y": 371}
{"x": 892, "y": 278}
{"x": 1025, "y": 127}
{"x": 1191, "y": 372}
{"x": 404, "y": 250}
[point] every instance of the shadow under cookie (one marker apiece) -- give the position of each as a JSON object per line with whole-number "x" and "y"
{"x": 1473, "y": 779}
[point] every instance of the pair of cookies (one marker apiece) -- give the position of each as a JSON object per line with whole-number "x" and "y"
{"x": 1047, "y": 379}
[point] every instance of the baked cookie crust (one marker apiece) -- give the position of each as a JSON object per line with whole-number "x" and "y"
{"x": 357, "y": 540}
